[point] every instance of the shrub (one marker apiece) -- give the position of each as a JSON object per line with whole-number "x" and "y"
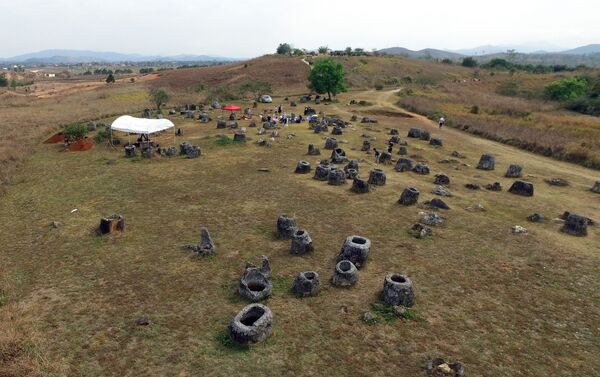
{"x": 391, "y": 81}
{"x": 221, "y": 93}
{"x": 110, "y": 78}
{"x": 510, "y": 88}
{"x": 3, "y": 81}
{"x": 75, "y": 131}
{"x": 475, "y": 109}
{"x": 101, "y": 135}
{"x": 566, "y": 89}
{"x": 469, "y": 62}
{"x": 254, "y": 87}
{"x": 199, "y": 87}
{"x": 447, "y": 61}
{"x": 378, "y": 86}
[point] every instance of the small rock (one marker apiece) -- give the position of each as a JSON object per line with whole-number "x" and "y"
{"x": 143, "y": 321}
{"x": 431, "y": 218}
{"x": 368, "y": 317}
{"x": 535, "y": 218}
{"x": 496, "y": 186}
{"x": 517, "y": 229}
{"x": 557, "y": 182}
{"x": 441, "y": 191}
{"x": 399, "y": 311}
{"x": 55, "y": 224}
{"x": 421, "y": 231}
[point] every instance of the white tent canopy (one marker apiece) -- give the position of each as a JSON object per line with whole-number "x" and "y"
{"x": 127, "y": 123}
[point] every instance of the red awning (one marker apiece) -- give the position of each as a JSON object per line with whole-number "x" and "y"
{"x": 232, "y": 108}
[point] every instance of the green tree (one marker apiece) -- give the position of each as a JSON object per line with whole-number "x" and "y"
{"x": 323, "y": 50}
{"x": 75, "y": 131}
{"x": 298, "y": 52}
{"x": 566, "y": 89}
{"x": 348, "y": 51}
{"x": 284, "y": 49}
{"x": 469, "y": 62}
{"x": 327, "y": 76}
{"x": 110, "y": 78}
{"x": 3, "y": 81}
{"x": 158, "y": 97}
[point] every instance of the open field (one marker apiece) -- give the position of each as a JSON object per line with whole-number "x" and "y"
{"x": 503, "y": 304}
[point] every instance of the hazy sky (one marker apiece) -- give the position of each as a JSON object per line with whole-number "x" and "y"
{"x": 239, "y": 28}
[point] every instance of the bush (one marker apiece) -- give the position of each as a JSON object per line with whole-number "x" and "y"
{"x": 584, "y": 105}
{"x": 199, "y": 87}
{"x": 254, "y": 87}
{"x": 101, "y": 135}
{"x": 566, "y": 89}
{"x": 475, "y": 109}
{"x": 3, "y": 81}
{"x": 378, "y": 86}
{"x": 110, "y": 78}
{"x": 75, "y": 131}
{"x": 221, "y": 93}
{"x": 469, "y": 62}
{"x": 447, "y": 61}
{"x": 509, "y": 88}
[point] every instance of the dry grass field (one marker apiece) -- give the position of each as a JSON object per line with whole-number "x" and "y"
{"x": 503, "y": 304}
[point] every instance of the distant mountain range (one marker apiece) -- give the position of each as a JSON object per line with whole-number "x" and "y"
{"x": 527, "y": 54}
{"x": 79, "y": 56}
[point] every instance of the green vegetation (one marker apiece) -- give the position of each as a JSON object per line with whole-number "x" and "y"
{"x": 158, "y": 97}
{"x": 254, "y": 87}
{"x": 76, "y": 131}
{"x": 327, "y": 76}
{"x": 469, "y": 62}
{"x": 144, "y": 71}
{"x": 222, "y": 93}
{"x": 199, "y": 87}
{"x": 323, "y": 50}
{"x": 503, "y": 64}
{"x": 3, "y": 81}
{"x": 110, "y": 79}
{"x": 566, "y": 89}
{"x": 101, "y": 135}
{"x": 284, "y": 49}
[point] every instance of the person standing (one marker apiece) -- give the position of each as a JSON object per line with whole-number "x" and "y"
{"x": 377, "y": 154}
{"x": 441, "y": 121}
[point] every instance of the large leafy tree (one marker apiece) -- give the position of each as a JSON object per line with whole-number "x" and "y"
{"x": 158, "y": 97}
{"x": 327, "y": 76}
{"x": 284, "y": 49}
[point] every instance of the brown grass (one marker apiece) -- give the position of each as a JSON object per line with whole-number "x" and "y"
{"x": 534, "y": 125}
{"x": 501, "y": 304}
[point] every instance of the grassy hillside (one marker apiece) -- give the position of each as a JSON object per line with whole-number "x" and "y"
{"x": 503, "y": 304}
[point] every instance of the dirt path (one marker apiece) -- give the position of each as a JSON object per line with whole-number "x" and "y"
{"x": 466, "y": 143}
